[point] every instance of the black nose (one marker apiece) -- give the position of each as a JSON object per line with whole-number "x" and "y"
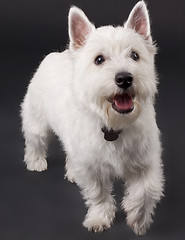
{"x": 124, "y": 80}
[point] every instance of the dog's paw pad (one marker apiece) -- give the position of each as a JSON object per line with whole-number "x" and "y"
{"x": 38, "y": 165}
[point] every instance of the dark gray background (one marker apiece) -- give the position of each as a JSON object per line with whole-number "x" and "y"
{"x": 44, "y": 206}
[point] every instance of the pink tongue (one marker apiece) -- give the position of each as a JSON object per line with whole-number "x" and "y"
{"x": 123, "y": 102}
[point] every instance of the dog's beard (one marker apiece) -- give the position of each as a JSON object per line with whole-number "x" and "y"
{"x": 120, "y": 109}
{"x": 116, "y": 120}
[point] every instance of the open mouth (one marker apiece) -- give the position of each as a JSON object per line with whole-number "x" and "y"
{"x": 122, "y": 103}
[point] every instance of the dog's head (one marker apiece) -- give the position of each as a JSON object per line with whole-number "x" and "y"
{"x": 114, "y": 72}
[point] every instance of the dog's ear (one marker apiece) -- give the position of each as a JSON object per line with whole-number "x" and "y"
{"x": 139, "y": 20}
{"x": 79, "y": 28}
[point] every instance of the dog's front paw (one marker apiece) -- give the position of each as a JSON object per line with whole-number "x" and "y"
{"x": 140, "y": 225}
{"x": 98, "y": 220}
{"x": 38, "y": 165}
{"x": 69, "y": 176}
{"x": 97, "y": 224}
{"x": 138, "y": 229}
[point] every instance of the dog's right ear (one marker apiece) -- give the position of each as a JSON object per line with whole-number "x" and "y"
{"x": 79, "y": 28}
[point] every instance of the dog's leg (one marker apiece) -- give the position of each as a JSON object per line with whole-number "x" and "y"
{"x": 35, "y": 152}
{"x": 143, "y": 191}
{"x": 101, "y": 212}
{"x": 69, "y": 171}
{"x": 35, "y": 132}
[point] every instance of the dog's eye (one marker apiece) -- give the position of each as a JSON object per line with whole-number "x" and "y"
{"x": 134, "y": 56}
{"x": 99, "y": 60}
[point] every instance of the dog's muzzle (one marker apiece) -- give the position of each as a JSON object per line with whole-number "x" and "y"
{"x": 123, "y": 102}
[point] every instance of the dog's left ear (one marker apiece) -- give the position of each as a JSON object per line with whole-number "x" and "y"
{"x": 139, "y": 20}
{"x": 79, "y": 28}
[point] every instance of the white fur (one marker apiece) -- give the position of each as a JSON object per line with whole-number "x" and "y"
{"x": 68, "y": 95}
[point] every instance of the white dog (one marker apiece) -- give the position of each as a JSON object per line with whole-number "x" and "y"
{"x": 98, "y": 97}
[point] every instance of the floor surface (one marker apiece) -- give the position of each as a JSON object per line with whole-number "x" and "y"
{"x": 44, "y": 206}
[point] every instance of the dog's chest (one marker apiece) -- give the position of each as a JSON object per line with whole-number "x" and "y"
{"x": 102, "y": 155}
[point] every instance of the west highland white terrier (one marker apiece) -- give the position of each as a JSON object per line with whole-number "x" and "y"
{"x": 98, "y": 98}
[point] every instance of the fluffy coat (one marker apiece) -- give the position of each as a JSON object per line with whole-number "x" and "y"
{"x": 69, "y": 95}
